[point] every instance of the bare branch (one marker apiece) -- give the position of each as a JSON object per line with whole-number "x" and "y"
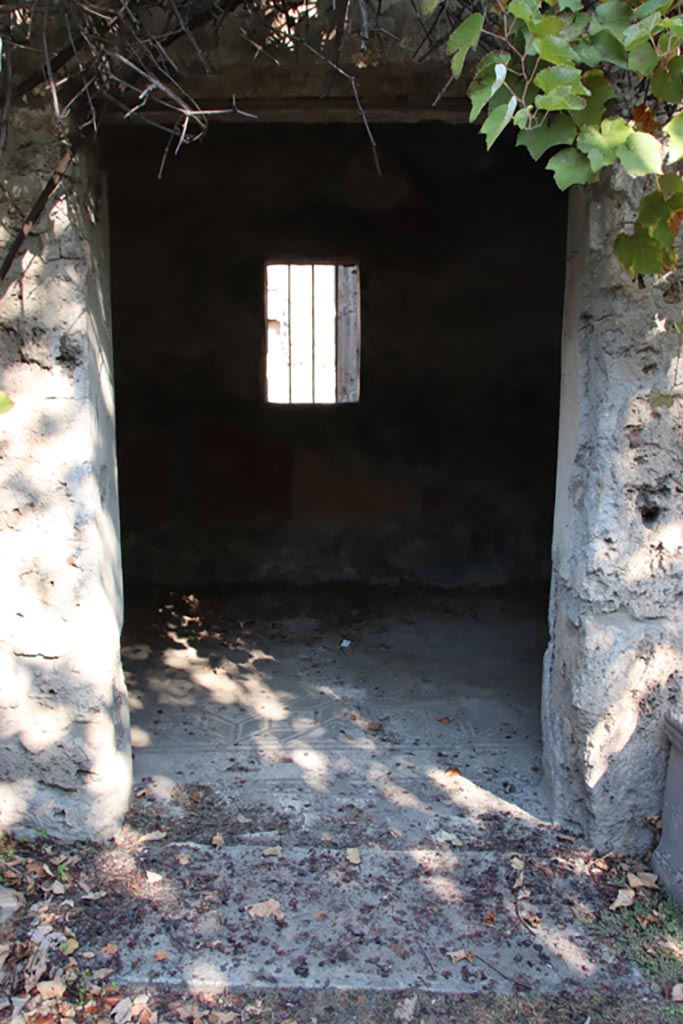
{"x": 36, "y": 210}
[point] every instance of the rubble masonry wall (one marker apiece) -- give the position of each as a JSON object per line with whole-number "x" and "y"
{"x": 64, "y": 737}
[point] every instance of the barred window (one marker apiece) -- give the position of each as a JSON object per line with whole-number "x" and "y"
{"x": 313, "y": 341}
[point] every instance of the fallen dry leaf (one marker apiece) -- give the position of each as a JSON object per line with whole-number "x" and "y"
{"x": 271, "y": 851}
{"x": 624, "y": 898}
{"x": 122, "y": 1011}
{"x": 102, "y": 973}
{"x": 456, "y": 955}
{"x": 109, "y": 949}
{"x": 326, "y": 837}
{"x": 151, "y": 837}
{"x": 266, "y": 908}
{"x": 374, "y": 726}
{"x": 405, "y": 1011}
{"x": 153, "y": 877}
{"x": 677, "y": 993}
{"x": 160, "y": 955}
{"x": 94, "y": 895}
{"x": 69, "y": 947}
{"x": 643, "y": 880}
{"x": 319, "y": 915}
{"x": 197, "y": 797}
{"x": 218, "y": 841}
{"x": 353, "y": 855}
{"x": 53, "y": 989}
{"x": 396, "y": 833}
{"x": 446, "y": 720}
{"x": 183, "y": 859}
{"x": 489, "y": 918}
{"x": 517, "y": 863}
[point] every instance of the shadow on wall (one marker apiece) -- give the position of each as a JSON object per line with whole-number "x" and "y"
{"x": 65, "y": 758}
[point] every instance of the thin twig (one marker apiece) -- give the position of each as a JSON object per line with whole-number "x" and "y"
{"x": 339, "y": 38}
{"x": 50, "y": 74}
{"x": 195, "y": 45}
{"x": 513, "y": 981}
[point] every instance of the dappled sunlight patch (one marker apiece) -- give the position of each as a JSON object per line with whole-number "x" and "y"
{"x": 476, "y": 799}
{"x": 379, "y": 777}
{"x": 201, "y": 976}
{"x": 15, "y": 800}
{"x": 314, "y": 766}
{"x": 433, "y": 866}
{"x": 139, "y": 737}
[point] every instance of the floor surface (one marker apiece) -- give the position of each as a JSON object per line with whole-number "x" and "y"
{"x": 352, "y": 779}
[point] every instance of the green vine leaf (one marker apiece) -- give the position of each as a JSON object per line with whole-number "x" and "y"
{"x": 601, "y": 90}
{"x": 559, "y": 66}
{"x": 555, "y": 51}
{"x": 560, "y": 131}
{"x": 526, "y": 10}
{"x": 661, "y": 216}
{"x": 570, "y": 167}
{"x": 642, "y": 30}
{"x": 643, "y": 59}
{"x": 6, "y": 402}
{"x": 429, "y": 6}
{"x": 562, "y": 89}
{"x": 602, "y": 47}
{"x": 462, "y": 40}
{"x": 641, "y": 154}
{"x": 670, "y": 184}
{"x": 640, "y": 253}
{"x": 613, "y": 17}
{"x": 488, "y": 78}
{"x": 667, "y": 82}
{"x": 498, "y": 120}
{"x": 674, "y": 129}
{"x": 601, "y": 145}
{"x": 655, "y": 5}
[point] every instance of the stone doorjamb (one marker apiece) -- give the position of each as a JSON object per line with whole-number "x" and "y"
{"x": 614, "y": 661}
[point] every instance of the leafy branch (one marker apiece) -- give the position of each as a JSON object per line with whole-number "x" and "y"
{"x": 593, "y": 85}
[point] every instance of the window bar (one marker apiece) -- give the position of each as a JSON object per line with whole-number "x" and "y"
{"x": 313, "y": 332}
{"x": 289, "y": 333}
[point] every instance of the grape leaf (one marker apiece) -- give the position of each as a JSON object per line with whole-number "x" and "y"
{"x": 560, "y": 131}
{"x": 570, "y": 167}
{"x": 674, "y": 129}
{"x": 640, "y": 253}
{"x": 498, "y": 120}
{"x": 641, "y": 154}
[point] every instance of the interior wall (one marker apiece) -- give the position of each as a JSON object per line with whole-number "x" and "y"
{"x": 444, "y": 472}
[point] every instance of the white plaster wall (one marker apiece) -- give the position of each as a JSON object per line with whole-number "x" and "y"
{"x": 64, "y": 748}
{"x": 615, "y": 660}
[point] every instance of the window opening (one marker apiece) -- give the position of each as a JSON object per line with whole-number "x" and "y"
{"x": 313, "y": 343}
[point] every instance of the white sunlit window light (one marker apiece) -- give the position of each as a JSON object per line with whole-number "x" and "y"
{"x": 313, "y": 347}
